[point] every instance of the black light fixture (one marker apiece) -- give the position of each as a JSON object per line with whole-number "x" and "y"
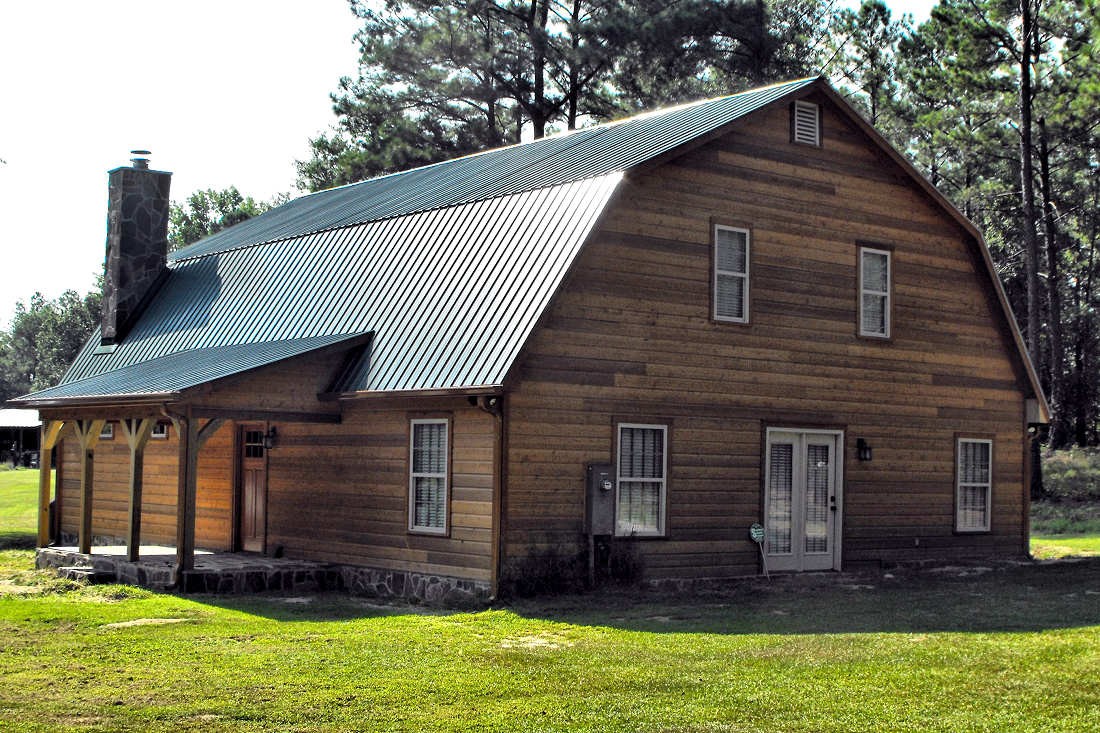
{"x": 269, "y": 438}
{"x": 863, "y": 450}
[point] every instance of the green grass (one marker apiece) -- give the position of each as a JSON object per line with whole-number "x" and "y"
{"x": 18, "y": 507}
{"x": 1013, "y": 648}
{"x": 1051, "y": 547}
{"x": 1016, "y": 649}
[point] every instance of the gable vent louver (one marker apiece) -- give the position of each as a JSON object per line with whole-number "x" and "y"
{"x": 806, "y": 123}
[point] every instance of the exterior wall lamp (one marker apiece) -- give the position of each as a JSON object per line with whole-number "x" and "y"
{"x": 863, "y": 450}
{"x": 269, "y": 438}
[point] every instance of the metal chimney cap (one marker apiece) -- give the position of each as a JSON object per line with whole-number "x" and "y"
{"x": 140, "y": 161}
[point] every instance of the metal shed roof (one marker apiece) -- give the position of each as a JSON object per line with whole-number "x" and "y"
{"x": 449, "y": 266}
{"x": 19, "y": 419}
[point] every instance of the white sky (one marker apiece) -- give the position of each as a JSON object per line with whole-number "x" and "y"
{"x": 223, "y": 92}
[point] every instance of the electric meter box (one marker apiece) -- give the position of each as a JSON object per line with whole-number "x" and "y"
{"x": 600, "y": 500}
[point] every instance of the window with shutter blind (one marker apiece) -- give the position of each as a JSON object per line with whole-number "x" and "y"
{"x": 731, "y": 274}
{"x": 973, "y": 484}
{"x": 874, "y": 292}
{"x": 642, "y": 480}
{"x": 428, "y": 459}
{"x": 806, "y": 123}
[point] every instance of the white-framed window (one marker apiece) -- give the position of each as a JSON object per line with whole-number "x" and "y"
{"x": 806, "y": 123}
{"x": 160, "y": 431}
{"x": 428, "y": 475}
{"x": 107, "y": 432}
{"x": 642, "y": 473}
{"x": 874, "y": 292}
{"x": 731, "y": 274}
{"x": 973, "y": 484}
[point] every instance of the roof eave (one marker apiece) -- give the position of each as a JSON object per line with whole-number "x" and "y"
{"x": 473, "y": 391}
{"x": 98, "y": 400}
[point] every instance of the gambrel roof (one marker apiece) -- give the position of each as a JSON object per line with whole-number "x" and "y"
{"x": 445, "y": 269}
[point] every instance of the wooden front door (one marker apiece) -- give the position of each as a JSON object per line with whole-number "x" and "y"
{"x": 802, "y": 500}
{"x": 252, "y": 470}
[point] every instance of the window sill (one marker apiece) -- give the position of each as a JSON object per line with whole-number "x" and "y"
{"x": 424, "y": 532}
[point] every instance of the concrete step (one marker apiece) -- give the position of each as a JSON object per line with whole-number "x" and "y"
{"x": 82, "y": 574}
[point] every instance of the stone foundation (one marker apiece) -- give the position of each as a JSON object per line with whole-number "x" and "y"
{"x": 229, "y": 573}
{"x": 438, "y": 590}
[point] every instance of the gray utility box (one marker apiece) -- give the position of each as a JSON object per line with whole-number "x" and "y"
{"x": 599, "y": 518}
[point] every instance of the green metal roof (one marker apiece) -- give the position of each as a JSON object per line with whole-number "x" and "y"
{"x": 585, "y": 153}
{"x": 449, "y": 266}
{"x": 172, "y": 373}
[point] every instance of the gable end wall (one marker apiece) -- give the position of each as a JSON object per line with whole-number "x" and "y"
{"x": 630, "y": 339}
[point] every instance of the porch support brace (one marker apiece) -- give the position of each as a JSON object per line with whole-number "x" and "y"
{"x": 191, "y": 442}
{"x": 51, "y": 434}
{"x": 136, "y": 432}
{"x": 87, "y": 434}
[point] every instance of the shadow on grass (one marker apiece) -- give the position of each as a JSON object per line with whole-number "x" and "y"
{"x": 1021, "y": 598}
{"x": 319, "y": 607}
{"x": 18, "y": 540}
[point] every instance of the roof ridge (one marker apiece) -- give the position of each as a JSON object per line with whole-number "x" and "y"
{"x": 566, "y": 133}
{"x": 571, "y": 155}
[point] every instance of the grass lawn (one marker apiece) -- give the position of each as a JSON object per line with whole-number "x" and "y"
{"x": 1048, "y": 547}
{"x": 1015, "y": 648}
{"x": 18, "y": 507}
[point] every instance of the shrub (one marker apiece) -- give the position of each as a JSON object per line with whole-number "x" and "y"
{"x": 543, "y": 570}
{"x": 1072, "y": 475}
{"x": 1065, "y": 517}
{"x": 626, "y": 563}
{"x": 548, "y": 569}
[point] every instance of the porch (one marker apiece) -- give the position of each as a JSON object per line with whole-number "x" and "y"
{"x": 213, "y": 572}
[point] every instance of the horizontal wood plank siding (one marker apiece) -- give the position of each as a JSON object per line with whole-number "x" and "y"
{"x": 110, "y": 500}
{"x": 631, "y": 339}
{"x": 339, "y": 493}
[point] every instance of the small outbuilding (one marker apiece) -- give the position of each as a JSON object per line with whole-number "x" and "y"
{"x": 19, "y": 437}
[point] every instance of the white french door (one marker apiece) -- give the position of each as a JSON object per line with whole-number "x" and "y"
{"x": 802, "y": 499}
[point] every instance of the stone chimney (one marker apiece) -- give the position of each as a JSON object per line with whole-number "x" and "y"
{"x": 137, "y": 243}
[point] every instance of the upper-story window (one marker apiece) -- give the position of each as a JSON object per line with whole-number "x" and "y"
{"x": 874, "y": 292}
{"x": 806, "y": 123}
{"x": 731, "y": 274}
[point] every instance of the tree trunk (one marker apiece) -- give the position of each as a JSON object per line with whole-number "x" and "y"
{"x": 575, "y": 43}
{"x": 536, "y": 29}
{"x": 1059, "y": 435}
{"x": 1027, "y": 187}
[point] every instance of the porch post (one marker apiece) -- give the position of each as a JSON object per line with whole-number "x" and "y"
{"x": 87, "y": 433}
{"x": 191, "y": 442}
{"x": 185, "y": 493}
{"x": 137, "y": 432}
{"x": 51, "y": 432}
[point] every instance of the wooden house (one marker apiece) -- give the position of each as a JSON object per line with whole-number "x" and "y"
{"x": 746, "y": 310}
